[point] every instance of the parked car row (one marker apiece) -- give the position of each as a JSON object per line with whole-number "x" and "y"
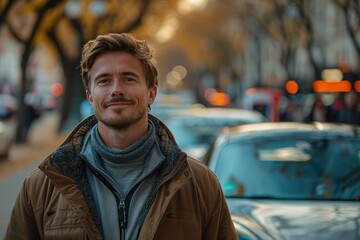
{"x": 35, "y": 105}
{"x": 282, "y": 180}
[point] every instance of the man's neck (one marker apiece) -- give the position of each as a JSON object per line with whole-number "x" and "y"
{"x": 123, "y": 138}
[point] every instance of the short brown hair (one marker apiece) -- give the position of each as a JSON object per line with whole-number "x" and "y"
{"x": 112, "y": 42}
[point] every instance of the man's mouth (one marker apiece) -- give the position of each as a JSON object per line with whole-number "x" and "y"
{"x": 118, "y": 102}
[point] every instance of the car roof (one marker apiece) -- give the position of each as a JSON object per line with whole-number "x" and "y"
{"x": 213, "y": 113}
{"x": 272, "y": 129}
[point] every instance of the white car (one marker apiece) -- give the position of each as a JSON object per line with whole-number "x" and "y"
{"x": 8, "y": 107}
{"x": 195, "y": 129}
{"x": 290, "y": 180}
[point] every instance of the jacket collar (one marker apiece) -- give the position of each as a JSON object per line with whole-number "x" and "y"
{"x": 67, "y": 160}
{"x": 66, "y": 157}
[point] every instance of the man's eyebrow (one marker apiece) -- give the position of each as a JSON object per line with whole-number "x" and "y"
{"x": 130, "y": 74}
{"x": 101, "y": 75}
{"x": 123, "y": 74}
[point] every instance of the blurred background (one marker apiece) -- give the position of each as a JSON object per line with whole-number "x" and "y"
{"x": 212, "y": 50}
{"x": 290, "y": 60}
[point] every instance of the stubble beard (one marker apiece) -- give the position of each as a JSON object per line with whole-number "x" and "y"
{"x": 123, "y": 122}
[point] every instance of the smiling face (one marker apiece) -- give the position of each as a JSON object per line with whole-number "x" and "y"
{"x": 118, "y": 91}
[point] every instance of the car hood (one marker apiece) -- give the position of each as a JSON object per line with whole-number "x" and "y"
{"x": 289, "y": 219}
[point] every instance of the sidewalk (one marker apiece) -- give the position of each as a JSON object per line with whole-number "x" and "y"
{"x": 43, "y": 139}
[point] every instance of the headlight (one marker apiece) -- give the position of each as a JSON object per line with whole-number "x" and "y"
{"x": 243, "y": 233}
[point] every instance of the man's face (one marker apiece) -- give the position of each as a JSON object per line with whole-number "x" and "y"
{"x": 118, "y": 92}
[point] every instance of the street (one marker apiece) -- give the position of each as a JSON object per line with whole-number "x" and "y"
{"x": 23, "y": 159}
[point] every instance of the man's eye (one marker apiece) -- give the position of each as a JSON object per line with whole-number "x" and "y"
{"x": 103, "y": 81}
{"x": 129, "y": 79}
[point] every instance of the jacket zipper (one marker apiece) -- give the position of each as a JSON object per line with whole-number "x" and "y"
{"x": 122, "y": 218}
{"x": 122, "y": 213}
{"x": 122, "y": 206}
{"x": 122, "y": 203}
{"x": 119, "y": 201}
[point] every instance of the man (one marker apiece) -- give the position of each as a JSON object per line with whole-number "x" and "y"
{"x": 120, "y": 174}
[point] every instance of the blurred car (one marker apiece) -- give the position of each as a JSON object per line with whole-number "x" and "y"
{"x": 266, "y": 100}
{"x": 290, "y": 180}
{"x": 166, "y": 111}
{"x": 167, "y": 105}
{"x": 195, "y": 128}
{"x": 8, "y": 107}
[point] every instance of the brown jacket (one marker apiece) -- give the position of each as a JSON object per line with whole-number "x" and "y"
{"x": 55, "y": 203}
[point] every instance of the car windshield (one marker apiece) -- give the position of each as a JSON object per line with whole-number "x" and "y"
{"x": 303, "y": 168}
{"x": 190, "y": 132}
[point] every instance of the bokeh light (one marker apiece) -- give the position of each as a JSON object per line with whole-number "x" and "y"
{"x": 56, "y": 89}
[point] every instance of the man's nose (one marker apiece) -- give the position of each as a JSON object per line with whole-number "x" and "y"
{"x": 117, "y": 88}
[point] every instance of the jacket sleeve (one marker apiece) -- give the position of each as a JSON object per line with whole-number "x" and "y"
{"x": 22, "y": 224}
{"x": 220, "y": 225}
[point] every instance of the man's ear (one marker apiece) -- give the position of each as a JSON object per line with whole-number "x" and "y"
{"x": 89, "y": 97}
{"x": 152, "y": 95}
